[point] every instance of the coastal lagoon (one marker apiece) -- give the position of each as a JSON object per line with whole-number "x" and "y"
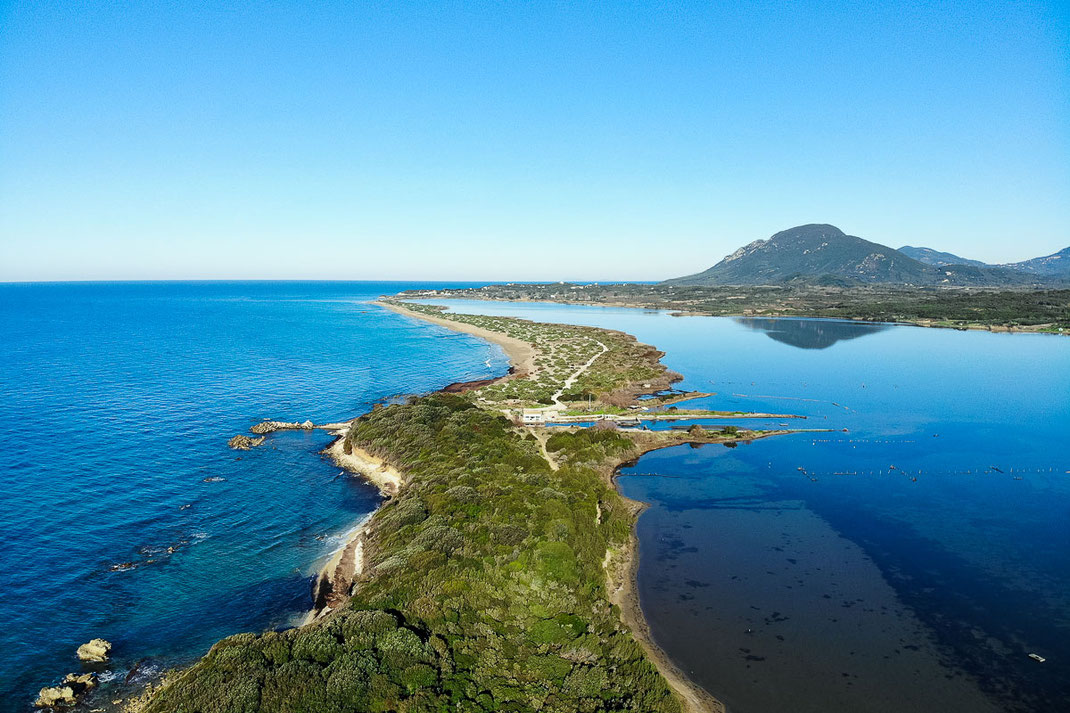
{"x": 124, "y": 514}
{"x": 909, "y": 562}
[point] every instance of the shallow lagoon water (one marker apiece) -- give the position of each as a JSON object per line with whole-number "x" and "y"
{"x": 117, "y": 402}
{"x": 910, "y": 563}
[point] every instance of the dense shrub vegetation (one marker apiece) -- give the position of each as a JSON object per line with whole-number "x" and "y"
{"x": 562, "y": 350}
{"x": 483, "y": 587}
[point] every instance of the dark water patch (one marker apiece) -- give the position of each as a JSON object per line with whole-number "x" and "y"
{"x": 797, "y": 630}
{"x": 951, "y": 597}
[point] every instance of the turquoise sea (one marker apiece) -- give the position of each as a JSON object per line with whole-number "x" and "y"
{"x": 116, "y": 403}
{"x": 909, "y": 560}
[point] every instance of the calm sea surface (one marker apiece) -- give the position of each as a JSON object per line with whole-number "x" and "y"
{"x": 116, "y": 402}
{"x": 909, "y": 563}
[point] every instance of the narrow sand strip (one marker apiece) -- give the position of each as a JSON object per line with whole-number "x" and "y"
{"x": 336, "y": 578}
{"x": 621, "y": 566}
{"x": 521, "y": 354}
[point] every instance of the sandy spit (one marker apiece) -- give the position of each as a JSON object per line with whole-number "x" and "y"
{"x": 621, "y": 566}
{"x": 521, "y": 354}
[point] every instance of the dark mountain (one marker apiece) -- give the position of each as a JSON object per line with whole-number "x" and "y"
{"x": 1054, "y": 265}
{"x": 937, "y": 258}
{"x": 824, "y": 255}
{"x": 811, "y": 252}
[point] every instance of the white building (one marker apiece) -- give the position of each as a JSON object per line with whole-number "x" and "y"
{"x": 532, "y": 416}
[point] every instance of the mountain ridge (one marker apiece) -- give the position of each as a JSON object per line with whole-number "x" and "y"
{"x": 1056, "y": 264}
{"x": 938, "y": 258}
{"x": 819, "y": 253}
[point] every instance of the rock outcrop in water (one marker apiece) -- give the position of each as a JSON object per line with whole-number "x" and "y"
{"x": 271, "y": 426}
{"x": 244, "y": 443}
{"x": 96, "y": 651}
{"x": 68, "y": 691}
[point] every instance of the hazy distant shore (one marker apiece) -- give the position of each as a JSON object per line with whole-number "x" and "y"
{"x": 981, "y": 310}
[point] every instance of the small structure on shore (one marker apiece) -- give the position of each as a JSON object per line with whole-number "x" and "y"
{"x": 533, "y": 417}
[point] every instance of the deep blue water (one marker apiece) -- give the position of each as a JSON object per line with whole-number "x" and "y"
{"x": 910, "y": 563}
{"x": 116, "y": 402}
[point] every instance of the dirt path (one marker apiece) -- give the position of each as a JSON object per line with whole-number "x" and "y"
{"x": 541, "y": 436}
{"x": 556, "y": 398}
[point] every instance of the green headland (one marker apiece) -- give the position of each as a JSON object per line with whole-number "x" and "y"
{"x": 500, "y": 574}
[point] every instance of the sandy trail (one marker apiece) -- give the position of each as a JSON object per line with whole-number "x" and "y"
{"x": 556, "y": 398}
{"x": 541, "y": 436}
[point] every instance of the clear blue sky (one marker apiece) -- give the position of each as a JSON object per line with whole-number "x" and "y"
{"x": 509, "y": 140}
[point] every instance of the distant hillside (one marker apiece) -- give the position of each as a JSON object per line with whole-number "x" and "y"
{"x": 937, "y": 258}
{"x": 823, "y": 254}
{"x": 809, "y": 252}
{"x": 1054, "y": 265}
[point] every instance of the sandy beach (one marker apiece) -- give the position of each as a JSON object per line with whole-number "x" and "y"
{"x": 345, "y": 565}
{"x": 521, "y": 354}
{"x": 336, "y": 577}
{"x": 622, "y": 567}
{"x": 622, "y": 588}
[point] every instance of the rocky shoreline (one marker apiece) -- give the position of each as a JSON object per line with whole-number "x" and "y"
{"x": 74, "y": 686}
{"x": 334, "y": 584}
{"x": 241, "y": 442}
